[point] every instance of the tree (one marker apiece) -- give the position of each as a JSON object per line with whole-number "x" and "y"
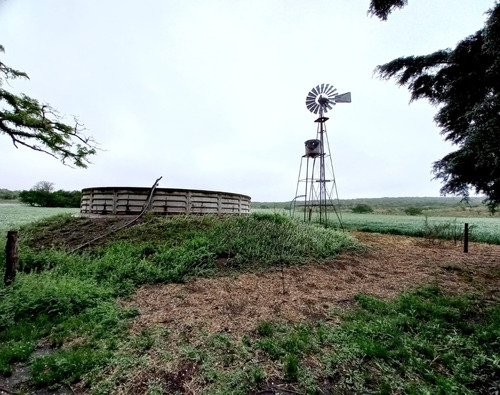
{"x": 39, "y": 127}
{"x": 382, "y": 8}
{"x": 362, "y": 208}
{"x": 42, "y": 194}
{"x": 46, "y": 186}
{"x": 464, "y": 83}
{"x": 413, "y": 211}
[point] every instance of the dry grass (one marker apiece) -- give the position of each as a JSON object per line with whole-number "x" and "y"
{"x": 389, "y": 265}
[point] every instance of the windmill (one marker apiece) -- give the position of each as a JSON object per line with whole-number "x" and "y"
{"x": 320, "y": 188}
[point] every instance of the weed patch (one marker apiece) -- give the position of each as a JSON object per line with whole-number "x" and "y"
{"x": 423, "y": 341}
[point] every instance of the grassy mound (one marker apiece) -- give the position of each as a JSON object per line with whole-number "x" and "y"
{"x": 69, "y": 300}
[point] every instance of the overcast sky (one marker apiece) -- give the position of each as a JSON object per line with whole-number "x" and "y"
{"x": 211, "y": 94}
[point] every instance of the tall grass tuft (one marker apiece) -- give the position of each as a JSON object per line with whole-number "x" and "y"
{"x": 48, "y": 294}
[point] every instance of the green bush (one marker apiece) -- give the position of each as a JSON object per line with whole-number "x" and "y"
{"x": 362, "y": 209}
{"x": 5, "y": 194}
{"x": 413, "y": 211}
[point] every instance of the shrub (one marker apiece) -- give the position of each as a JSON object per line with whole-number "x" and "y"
{"x": 5, "y": 194}
{"x": 362, "y": 209}
{"x": 413, "y": 211}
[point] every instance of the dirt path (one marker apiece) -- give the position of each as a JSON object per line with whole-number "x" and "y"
{"x": 390, "y": 264}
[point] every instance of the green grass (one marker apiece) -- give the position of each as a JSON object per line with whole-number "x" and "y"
{"x": 170, "y": 249}
{"x": 14, "y": 215}
{"x": 424, "y": 342}
{"x": 481, "y": 229}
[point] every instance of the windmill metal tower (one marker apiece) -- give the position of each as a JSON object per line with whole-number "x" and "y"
{"x": 319, "y": 186}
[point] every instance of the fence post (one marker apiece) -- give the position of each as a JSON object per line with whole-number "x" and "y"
{"x": 466, "y": 237}
{"x": 11, "y": 257}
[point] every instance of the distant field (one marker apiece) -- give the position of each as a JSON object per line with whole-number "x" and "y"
{"x": 12, "y": 215}
{"x": 430, "y": 206}
{"x": 481, "y": 228}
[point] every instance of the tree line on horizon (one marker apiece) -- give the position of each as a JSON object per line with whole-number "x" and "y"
{"x": 43, "y": 194}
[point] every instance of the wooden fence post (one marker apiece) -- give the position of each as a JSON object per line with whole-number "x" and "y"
{"x": 466, "y": 237}
{"x": 11, "y": 257}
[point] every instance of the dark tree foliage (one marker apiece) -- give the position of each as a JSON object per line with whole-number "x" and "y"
{"x": 362, "y": 208}
{"x": 5, "y": 194}
{"x": 464, "y": 83}
{"x": 44, "y": 198}
{"x": 382, "y": 8}
{"x": 39, "y": 127}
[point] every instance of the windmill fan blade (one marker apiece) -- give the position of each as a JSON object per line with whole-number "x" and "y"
{"x": 330, "y": 90}
{"x": 310, "y": 104}
{"x": 323, "y": 97}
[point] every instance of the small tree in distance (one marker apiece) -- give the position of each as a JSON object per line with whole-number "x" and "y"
{"x": 43, "y": 186}
{"x": 362, "y": 208}
{"x": 413, "y": 211}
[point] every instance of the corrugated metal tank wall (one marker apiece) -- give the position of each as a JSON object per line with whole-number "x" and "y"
{"x": 166, "y": 201}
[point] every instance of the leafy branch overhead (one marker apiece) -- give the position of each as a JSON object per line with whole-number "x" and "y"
{"x": 382, "y": 8}
{"x": 464, "y": 84}
{"x": 39, "y": 127}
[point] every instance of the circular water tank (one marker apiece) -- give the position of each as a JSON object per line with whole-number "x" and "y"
{"x": 313, "y": 148}
{"x": 117, "y": 201}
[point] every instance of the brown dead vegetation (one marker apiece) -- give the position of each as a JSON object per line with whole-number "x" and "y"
{"x": 389, "y": 265}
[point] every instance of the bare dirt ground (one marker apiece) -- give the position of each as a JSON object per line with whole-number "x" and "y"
{"x": 389, "y": 265}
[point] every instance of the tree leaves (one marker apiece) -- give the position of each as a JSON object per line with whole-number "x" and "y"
{"x": 465, "y": 83}
{"x": 39, "y": 127}
{"x": 382, "y": 8}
